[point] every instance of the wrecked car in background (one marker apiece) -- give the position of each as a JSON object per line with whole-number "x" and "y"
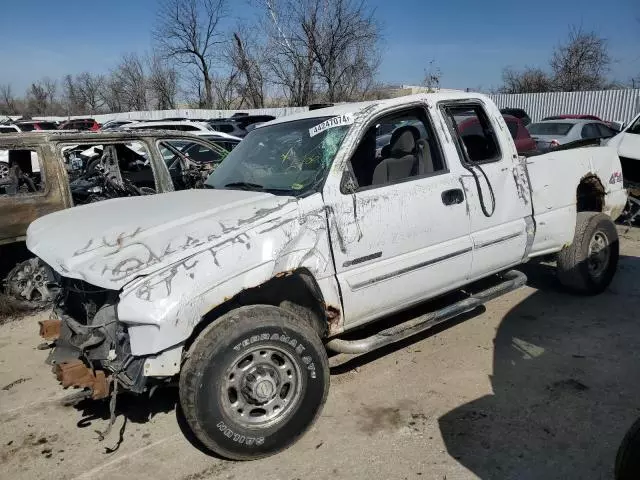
{"x": 46, "y": 172}
{"x": 307, "y": 231}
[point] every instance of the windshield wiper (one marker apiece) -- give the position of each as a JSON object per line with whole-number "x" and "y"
{"x": 245, "y": 185}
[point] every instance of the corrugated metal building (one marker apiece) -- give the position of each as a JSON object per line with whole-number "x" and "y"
{"x": 611, "y": 105}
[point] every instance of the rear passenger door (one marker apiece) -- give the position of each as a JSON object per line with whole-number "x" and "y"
{"x": 495, "y": 184}
{"x": 398, "y": 218}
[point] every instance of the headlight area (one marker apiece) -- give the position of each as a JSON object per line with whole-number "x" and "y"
{"x": 91, "y": 348}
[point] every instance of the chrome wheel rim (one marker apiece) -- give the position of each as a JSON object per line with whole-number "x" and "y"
{"x": 261, "y": 387}
{"x": 4, "y": 170}
{"x": 599, "y": 253}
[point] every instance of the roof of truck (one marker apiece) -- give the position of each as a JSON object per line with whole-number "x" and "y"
{"x": 345, "y": 108}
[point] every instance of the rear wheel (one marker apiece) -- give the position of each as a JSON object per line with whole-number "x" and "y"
{"x": 254, "y": 381}
{"x": 588, "y": 265}
{"x": 628, "y": 458}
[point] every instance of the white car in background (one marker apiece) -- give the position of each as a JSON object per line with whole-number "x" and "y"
{"x": 179, "y": 125}
{"x": 553, "y": 133}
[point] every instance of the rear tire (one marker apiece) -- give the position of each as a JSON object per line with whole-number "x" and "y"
{"x": 588, "y": 265}
{"x": 254, "y": 382}
{"x": 628, "y": 458}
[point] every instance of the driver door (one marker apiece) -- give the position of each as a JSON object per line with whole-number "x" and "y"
{"x": 398, "y": 238}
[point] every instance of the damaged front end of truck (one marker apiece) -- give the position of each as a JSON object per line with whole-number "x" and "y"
{"x": 91, "y": 348}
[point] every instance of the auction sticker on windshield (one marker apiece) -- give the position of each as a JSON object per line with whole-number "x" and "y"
{"x": 340, "y": 120}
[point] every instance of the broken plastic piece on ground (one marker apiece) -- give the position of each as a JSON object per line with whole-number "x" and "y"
{"x": 76, "y": 374}
{"x": 50, "y": 329}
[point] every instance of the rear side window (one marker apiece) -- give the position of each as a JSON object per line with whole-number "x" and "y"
{"x": 475, "y": 134}
{"x": 551, "y": 128}
{"x": 7, "y": 130}
{"x": 590, "y": 130}
{"x": 20, "y": 172}
{"x": 605, "y": 132}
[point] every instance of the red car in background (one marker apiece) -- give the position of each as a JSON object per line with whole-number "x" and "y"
{"x": 80, "y": 124}
{"x": 519, "y": 133}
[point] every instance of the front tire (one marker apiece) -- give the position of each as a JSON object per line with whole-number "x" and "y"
{"x": 588, "y": 265}
{"x": 254, "y": 382}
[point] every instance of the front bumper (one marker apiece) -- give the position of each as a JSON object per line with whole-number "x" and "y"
{"x": 91, "y": 347}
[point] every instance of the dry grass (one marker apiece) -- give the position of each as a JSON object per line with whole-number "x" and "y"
{"x": 12, "y": 309}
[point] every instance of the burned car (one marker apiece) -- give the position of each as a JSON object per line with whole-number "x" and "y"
{"x": 44, "y": 173}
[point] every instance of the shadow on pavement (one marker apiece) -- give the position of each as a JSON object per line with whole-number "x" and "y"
{"x": 565, "y": 385}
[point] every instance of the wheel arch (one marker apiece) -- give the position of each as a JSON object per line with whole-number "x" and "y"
{"x": 296, "y": 290}
{"x": 590, "y": 194}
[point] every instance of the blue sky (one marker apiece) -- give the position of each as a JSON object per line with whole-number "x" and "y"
{"x": 470, "y": 40}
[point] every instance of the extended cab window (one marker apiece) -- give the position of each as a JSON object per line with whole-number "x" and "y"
{"x": 397, "y": 147}
{"x": 20, "y": 172}
{"x": 474, "y": 131}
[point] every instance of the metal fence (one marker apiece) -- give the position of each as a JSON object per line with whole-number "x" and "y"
{"x": 611, "y": 105}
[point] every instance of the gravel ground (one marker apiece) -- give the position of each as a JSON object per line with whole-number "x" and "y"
{"x": 539, "y": 385}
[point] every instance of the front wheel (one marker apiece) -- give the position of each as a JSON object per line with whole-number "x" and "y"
{"x": 588, "y": 265}
{"x": 254, "y": 381}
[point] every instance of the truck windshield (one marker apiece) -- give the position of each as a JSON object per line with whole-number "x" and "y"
{"x": 290, "y": 158}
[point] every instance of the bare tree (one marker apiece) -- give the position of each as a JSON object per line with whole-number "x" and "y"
{"x": 37, "y": 99}
{"x": 131, "y": 79}
{"x": 528, "y": 80}
{"x": 8, "y": 105}
{"x": 291, "y": 60}
{"x": 89, "y": 88}
{"x": 246, "y": 57}
{"x": 226, "y": 88}
{"x": 343, "y": 36}
{"x": 582, "y": 62}
{"x": 111, "y": 94}
{"x": 326, "y": 47}
{"x": 188, "y": 30}
{"x": 72, "y": 98}
{"x": 163, "y": 83}
{"x": 432, "y": 75}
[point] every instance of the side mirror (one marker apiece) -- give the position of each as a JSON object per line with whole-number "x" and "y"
{"x": 348, "y": 183}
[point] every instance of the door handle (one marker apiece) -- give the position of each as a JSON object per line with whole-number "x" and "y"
{"x": 453, "y": 196}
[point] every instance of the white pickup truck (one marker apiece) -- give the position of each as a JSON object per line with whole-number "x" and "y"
{"x": 316, "y": 224}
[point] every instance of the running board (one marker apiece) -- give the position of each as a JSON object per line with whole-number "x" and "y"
{"x": 512, "y": 280}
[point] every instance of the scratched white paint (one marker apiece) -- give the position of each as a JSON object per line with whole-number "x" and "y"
{"x": 176, "y": 256}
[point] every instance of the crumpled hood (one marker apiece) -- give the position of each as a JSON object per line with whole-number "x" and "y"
{"x": 110, "y": 243}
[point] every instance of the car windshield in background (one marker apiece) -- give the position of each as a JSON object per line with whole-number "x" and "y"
{"x": 47, "y": 126}
{"x": 292, "y": 158}
{"x": 550, "y": 128}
